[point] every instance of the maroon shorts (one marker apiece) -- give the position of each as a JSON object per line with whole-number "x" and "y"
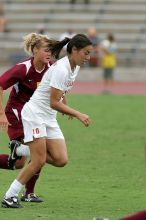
{"x": 15, "y": 130}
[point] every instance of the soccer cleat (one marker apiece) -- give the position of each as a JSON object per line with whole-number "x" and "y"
{"x": 31, "y": 198}
{"x": 12, "y": 202}
{"x": 13, "y": 156}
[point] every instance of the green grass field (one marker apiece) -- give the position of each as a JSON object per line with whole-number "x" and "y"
{"x": 106, "y": 174}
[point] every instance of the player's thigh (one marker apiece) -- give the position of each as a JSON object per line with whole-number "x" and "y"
{"x": 57, "y": 149}
{"x": 38, "y": 149}
{"x": 56, "y": 146}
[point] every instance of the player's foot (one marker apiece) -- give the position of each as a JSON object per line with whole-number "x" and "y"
{"x": 13, "y": 156}
{"x": 12, "y": 202}
{"x": 31, "y": 198}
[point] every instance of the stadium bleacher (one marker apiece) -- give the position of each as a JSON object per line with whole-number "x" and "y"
{"x": 126, "y": 19}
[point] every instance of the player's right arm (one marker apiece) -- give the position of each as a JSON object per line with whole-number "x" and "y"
{"x": 59, "y": 106}
{"x": 8, "y": 79}
{"x": 12, "y": 76}
{"x": 58, "y": 84}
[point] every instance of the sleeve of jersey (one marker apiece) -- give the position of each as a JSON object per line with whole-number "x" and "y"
{"x": 12, "y": 76}
{"x": 58, "y": 80}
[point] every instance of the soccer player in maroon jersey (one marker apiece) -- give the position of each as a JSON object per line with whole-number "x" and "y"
{"x": 24, "y": 78}
{"x": 141, "y": 215}
{"x": 137, "y": 216}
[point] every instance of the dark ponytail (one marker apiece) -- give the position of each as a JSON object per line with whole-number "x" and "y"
{"x": 57, "y": 47}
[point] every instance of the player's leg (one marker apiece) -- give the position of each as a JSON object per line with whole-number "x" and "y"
{"x": 20, "y": 149}
{"x": 9, "y": 161}
{"x": 14, "y": 160}
{"x": 28, "y": 195}
{"x": 4, "y": 161}
{"x": 38, "y": 159}
{"x": 56, "y": 155}
{"x": 56, "y": 146}
{"x": 57, "y": 152}
{"x": 15, "y": 132}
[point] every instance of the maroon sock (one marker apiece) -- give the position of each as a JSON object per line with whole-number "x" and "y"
{"x": 29, "y": 186}
{"x": 138, "y": 216}
{"x": 4, "y": 161}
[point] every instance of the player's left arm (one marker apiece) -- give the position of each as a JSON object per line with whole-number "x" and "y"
{"x": 3, "y": 119}
{"x": 65, "y": 103}
{"x": 64, "y": 100}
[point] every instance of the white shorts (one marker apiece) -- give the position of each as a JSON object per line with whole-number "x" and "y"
{"x": 37, "y": 125}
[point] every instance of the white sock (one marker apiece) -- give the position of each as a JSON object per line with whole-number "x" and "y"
{"x": 14, "y": 189}
{"x": 23, "y": 150}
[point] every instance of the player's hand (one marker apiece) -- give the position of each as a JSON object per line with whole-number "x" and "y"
{"x": 4, "y": 122}
{"x": 84, "y": 119}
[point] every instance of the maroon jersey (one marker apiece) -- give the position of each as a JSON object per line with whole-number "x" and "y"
{"x": 24, "y": 78}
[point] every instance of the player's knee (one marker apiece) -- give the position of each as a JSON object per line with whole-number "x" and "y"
{"x": 61, "y": 162}
{"x": 38, "y": 163}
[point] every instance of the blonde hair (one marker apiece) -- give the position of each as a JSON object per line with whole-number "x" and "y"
{"x": 34, "y": 40}
{"x": 37, "y": 40}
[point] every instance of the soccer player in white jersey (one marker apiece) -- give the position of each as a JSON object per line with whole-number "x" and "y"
{"x": 41, "y": 130}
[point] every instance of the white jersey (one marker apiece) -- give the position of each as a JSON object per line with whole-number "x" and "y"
{"x": 59, "y": 76}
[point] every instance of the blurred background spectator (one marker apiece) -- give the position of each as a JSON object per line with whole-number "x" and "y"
{"x": 108, "y": 60}
{"x": 2, "y": 18}
{"x": 126, "y": 22}
{"x": 92, "y": 34}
